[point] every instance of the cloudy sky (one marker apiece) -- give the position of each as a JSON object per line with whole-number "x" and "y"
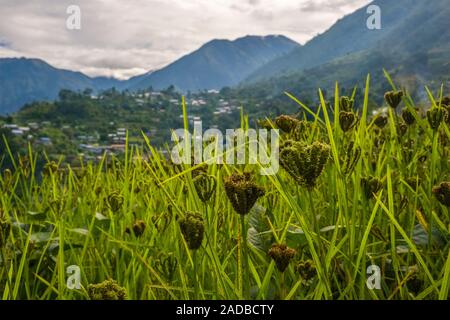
{"x": 123, "y": 38}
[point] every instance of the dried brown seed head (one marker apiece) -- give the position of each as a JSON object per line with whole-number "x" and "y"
{"x": 347, "y": 120}
{"x": 381, "y": 121}
{"x": 138, "y": 228}
{"x": 408, "y": 116}
{"x": 282, "y": 255}
{"x": 442, "y": 193}
{"x": 393, "y": 98}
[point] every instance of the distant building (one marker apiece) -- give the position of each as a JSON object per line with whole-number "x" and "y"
{"x": 121, "y": 132}
{"x": 45, "y": 140}
{"x": 17, "y": 132}
{"x": 117, "y": 147}
{"x": 10, "y": 126}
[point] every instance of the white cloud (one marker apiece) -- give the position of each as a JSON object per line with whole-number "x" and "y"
{"x": 122, "y": 38}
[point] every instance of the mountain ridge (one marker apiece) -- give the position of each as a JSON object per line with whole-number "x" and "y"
{"x": 413, "y": 45}
{"x": 35, "y": 79}
{"x": 216, "y": 64}
{"x": 348, "y": 35}
{"x": 228, "y": 61}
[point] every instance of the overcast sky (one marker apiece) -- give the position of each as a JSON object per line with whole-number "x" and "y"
{"x": 123, "y": 38}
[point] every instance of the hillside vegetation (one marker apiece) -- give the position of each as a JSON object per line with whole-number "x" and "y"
{"x": 353, "y": 191}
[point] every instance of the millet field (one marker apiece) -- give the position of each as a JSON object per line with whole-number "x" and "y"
{"x": 354, "y": 190}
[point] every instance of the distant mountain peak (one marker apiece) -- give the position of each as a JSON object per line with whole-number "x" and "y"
{"x": 217, "y": 63}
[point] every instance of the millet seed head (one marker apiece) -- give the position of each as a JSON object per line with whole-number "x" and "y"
{"x": 7, "y": 177}
{"x": 381, "y": 121}
{"x": 352, "y": 156}
{"x": 282, "y": 255}
{"x": 24, "y": 162}
{"x": 393, "y": 98}
{"x": 5, "y": 229}
{"x": 299, "y": 130}
{"x": 408, "y": 116}
{"x": 303, "y": 162}
{"x": 107, "y": 290}
{"x": 371, "y": 186}
{"x": 265, "y": 124}
{"x": 306, "y": 269}
{"x": 446, "y": 114}
{"x": 50, "y": 168}
{"x": 138, "y": 228}
{"x": 347, "y": 120}
{"x": 286, "y": 123}
{"x": 115, "y": 201}
{"x": 205, "y": 186}
{"x": 192, "y": 227}
{"x": 346, "y": 104}
{"x": 442, "y": 193}
{"x": 413, "y": 182}
{"x": 402, "y": 128}
{"x": 201, "y": 169}
{"x": 242, "y": 192}
{"x": 436, "y": 116}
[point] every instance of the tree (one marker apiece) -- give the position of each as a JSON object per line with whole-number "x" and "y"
{"x": 88, "y": 92}
{"x": 65, "y": 95}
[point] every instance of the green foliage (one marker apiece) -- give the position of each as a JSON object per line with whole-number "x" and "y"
{"x": 373, "y": 197}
